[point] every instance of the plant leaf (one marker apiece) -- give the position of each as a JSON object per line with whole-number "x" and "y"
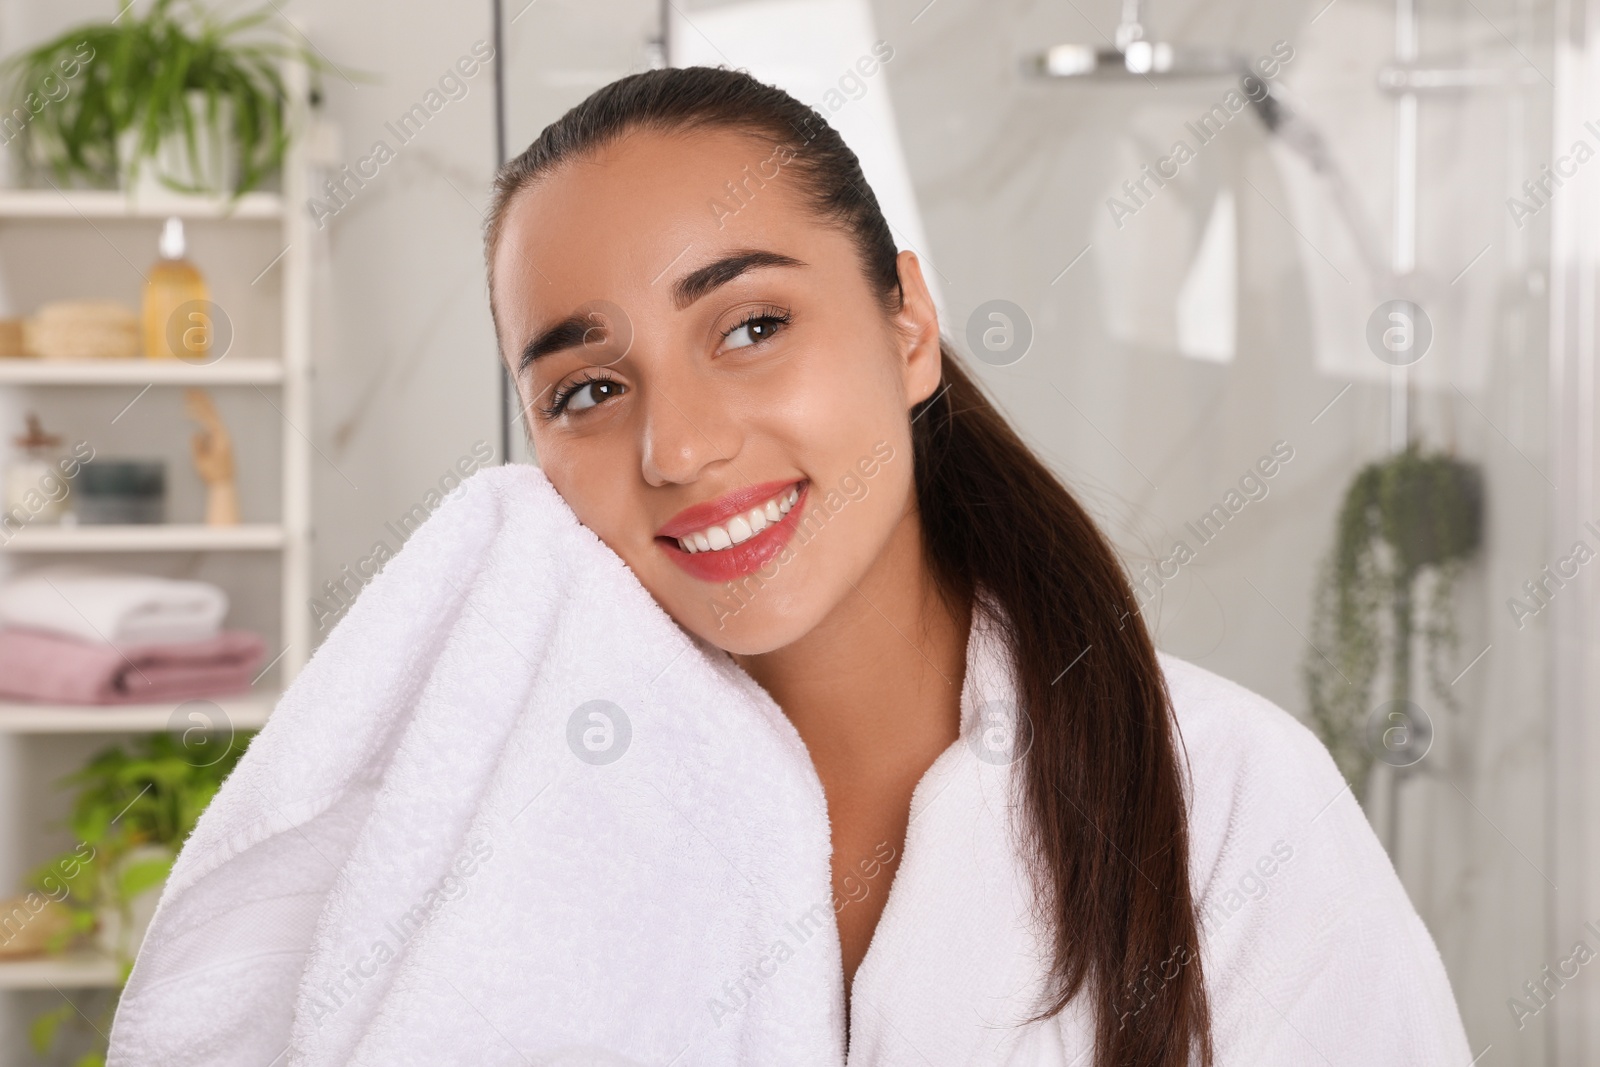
{"x": 42, "y": 1031}
{"x": 143, "y": 875}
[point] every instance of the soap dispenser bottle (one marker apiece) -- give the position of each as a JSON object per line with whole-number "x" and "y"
{"x": 177, "y": 304}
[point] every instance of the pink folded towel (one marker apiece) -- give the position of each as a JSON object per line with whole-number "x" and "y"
{"x": 49, "y": 668}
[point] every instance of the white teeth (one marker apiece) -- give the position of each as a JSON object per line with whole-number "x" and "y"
{"x": 740, "y": 528}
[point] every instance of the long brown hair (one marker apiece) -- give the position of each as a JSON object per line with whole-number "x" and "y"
{"x": 1104, "y": 809}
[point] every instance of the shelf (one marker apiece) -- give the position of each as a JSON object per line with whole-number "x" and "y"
{"x": 113, "y": 204}
{"x": 244, "y": 711}
{"x": 139, "y": 372}
{"x": 79, "y": 969}
{"x": 155, "y": 537}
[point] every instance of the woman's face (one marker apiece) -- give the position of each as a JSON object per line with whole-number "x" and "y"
{"x": 710, "y": 383}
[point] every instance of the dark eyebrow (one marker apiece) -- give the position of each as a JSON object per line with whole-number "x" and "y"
{"x": 568, "y": 333}
{"x": 700, "y": 281}
{"x": 571, "y": 331}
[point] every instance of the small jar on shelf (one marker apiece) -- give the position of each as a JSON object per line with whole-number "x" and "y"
{"x": 35, "y": 487}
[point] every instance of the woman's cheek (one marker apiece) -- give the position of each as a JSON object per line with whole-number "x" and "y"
{"x": 578, "y": 470}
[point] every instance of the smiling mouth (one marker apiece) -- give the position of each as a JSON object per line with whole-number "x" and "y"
{"x": 716, "y": 543}
{"x": 739, "y": 529}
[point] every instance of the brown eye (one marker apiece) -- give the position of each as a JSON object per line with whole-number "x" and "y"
{"x": 756, "y": 328}
{"x": 590, "y": 394}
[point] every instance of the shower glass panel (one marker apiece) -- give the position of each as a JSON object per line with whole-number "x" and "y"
{"x": 1242, "y": 296}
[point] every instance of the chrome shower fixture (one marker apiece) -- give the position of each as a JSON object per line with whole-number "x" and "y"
{"x": 1134, "y": 55}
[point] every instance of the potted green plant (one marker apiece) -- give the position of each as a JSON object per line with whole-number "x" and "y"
{"x": 135, "y": 805}
{"x": 1408, "y": 525}
{"x": 196, "y": 101}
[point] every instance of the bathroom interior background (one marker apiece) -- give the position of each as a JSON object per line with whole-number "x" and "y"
{"x": 1166, "y": 359}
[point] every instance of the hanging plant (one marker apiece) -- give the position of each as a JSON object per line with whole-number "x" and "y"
{"x": 1406, "y": 521}
{"x": 104, "y": 99}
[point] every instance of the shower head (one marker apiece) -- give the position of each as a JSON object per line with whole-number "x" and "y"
{"x": 1134, "y": 56}
{"x": 1140, "y": 58}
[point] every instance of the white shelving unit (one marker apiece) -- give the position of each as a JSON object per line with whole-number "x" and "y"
{"x": 285, "y": 382}
{"x": 139, "y": 371}
{"x": 166, "y": 537}
{"x": 83, "y": 969}
{"x": 110, "y": 204}
{"x": 246, "y": 712}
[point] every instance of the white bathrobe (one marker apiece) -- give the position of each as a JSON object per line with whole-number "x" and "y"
{"x": 511, "y": 814}
{"x": 1311, "y": 950}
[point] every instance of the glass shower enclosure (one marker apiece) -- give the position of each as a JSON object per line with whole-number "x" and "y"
{"x": 1311, "y": 291}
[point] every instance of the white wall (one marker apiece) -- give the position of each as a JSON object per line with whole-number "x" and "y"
{"x": 406, "y": 373}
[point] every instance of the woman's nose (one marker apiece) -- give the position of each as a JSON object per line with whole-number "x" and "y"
{"x": 685, "y": 430}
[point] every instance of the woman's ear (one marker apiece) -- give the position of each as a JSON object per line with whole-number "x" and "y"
{"x": 917, "y": 327}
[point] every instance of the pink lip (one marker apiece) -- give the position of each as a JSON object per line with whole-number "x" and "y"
{"x": 748, "y": 555}
{"x": 715, "y": 512}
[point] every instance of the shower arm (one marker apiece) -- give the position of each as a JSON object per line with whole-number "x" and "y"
{"x": 1129, "y": 29}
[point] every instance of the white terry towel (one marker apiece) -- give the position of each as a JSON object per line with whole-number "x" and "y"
{"x": 425, "y": 858}
{"x": 111, "y": 607}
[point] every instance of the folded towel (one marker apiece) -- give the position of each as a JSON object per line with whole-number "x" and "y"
{"x": 110, "y": 607}
{"x": 46, "y": 667}
{"x": 510, "y": 813}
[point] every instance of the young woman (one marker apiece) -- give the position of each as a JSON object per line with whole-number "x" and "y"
{"x": 739, "y": 385}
